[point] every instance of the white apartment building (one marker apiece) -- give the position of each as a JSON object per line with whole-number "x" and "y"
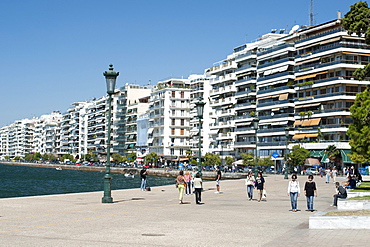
{"x": 169, "y": 114}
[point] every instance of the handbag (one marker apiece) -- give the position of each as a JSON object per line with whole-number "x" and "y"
{"x": 264, "y": 193}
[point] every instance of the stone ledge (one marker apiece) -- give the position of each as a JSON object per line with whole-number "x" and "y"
{"x": 351, "y": 194}
{"x": 318, "y": 221}
{"x": 353, "y": 204}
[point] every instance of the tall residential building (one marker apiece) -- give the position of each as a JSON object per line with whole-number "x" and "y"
{"x": 169, "y": 114}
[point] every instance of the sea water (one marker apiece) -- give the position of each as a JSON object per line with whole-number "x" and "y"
{"x": 18, "y": 181}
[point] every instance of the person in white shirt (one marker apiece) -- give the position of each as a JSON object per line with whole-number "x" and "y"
{"x": 293, "y": 192}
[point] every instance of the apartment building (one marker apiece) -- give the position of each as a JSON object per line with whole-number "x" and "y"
{"x": 169, "y": 119}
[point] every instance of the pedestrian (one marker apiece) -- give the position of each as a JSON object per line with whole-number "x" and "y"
{"x": 322, "y": 171}
{"x": 327, "y": 175}
{"x": 181, "y": 184}
{"x": 334, "y": 174}
{"x": 293, "y": 192}
{"x": 143, "y": 174}
{"x": 341, "y": 193}
{"x": 218, "y": 178}
{"x": 188, "y": 183}
{"x": 250, "y": 183}
{"x": 310, "y": 191}
{"x": 198, "y": 184}
{"x": 260, "y": 185}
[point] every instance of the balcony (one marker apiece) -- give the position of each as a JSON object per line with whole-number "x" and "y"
{"x": 287, "y": 73}
{"x": 287, "y": 59}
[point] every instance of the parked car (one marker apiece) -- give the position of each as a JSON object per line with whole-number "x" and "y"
{"x": 311, "y": 171}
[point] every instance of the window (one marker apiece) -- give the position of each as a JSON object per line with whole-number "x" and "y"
{"x": 181, "y": 151}
{"x": 182, "y": 94}
{"x": 172, "y": 151}
{"x": 182, "y": 113}
{"x": 173, "y": 122}
{"x": 182, "y": 122}
{"x": 172, "y": 131}
{"x": 173, "y": 94}
{"x": 182, "y": 132}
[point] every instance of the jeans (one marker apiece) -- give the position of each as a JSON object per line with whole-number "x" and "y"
{"x": 327, "y": 178}
{"x": 336, "y": 198}
{"x": 293, "y": 199}
{"x": 309, "y": 202}
{"x": 188, "y": 188}
{"x": 250, "y": 191}
{"x": 198, "y": 195}
{"x": 143, "y": 184}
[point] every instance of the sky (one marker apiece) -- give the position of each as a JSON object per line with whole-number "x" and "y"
{"x": 54, "y": 52}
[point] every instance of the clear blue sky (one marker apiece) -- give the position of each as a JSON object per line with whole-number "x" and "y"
{"x": 53, "y": 52}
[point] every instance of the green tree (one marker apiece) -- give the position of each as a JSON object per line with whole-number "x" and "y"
{"x": 36, "y": 156}
{"x": 117, "y": 158}
{"x": 151, "y": 158}
{"x": 28, "y": 157}
{"x": 248, "y": 159}
{"x": 212, "y": 159}
{"x": 229, "y": 160}
{"x": 357, "y": 21}
{"x": 266, "y": 162}
{"x": 333, "y": 154}
{"x": 298, "y": 156}
{"x": 359, "y": 130}
{"x": 67, "y": 156}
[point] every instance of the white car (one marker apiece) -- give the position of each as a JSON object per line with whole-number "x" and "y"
{"x": 311, "y": 171}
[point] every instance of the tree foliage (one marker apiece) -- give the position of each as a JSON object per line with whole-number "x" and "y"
{"x": 266, "y": 162}
{"x": 151, "y": 157}
{"x": 248, "y": 159}
{"x": 212, "y": 159}
{"x": 333, "y": 154}
{"x": 359, "y": 130}
{"x": 117, "y": 158}
{"x": 229, "y": 160}
{"x": 298, "y": 156}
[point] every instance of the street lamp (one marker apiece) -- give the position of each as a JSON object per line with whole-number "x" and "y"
{"x": 287, "y": 129}
{"x": 110, "y": 78}
{"x": 255, "y": 126}
{"x": 200, "y": 111}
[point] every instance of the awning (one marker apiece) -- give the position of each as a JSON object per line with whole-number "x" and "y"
{"x": 310, "y": 122}
{"x": 317, "y": 153}
{"x": 150, "y": 140}
{"x": 354, "y": 53}
{"x": 267, "y": 72}
{"x": 299, "y": 136}
{"x": 310, "y": 105}
{"x": 325, "y": 158}
{"x": 305, "y": 77}
{"x": 322, "y": 72}
{"x": 312, "y": 135}
{"x": 308, "y": 61}
{"x": 298, "y": 122}
{"x": 283, "y": 96}
{"x": 312, "y": 161}
{"x": 345, "y": 157}
{"x": 329, "y": 41}
{"x": 150, "y": 130}
{"x": 213, "y": 132}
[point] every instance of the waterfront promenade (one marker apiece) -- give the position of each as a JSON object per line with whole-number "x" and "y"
{"x": 154, "y": 218}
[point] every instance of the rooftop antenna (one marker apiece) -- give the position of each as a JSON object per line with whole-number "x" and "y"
{"x": 312, "y": 16}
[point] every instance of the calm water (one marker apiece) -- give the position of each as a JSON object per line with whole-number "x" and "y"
{"x": 17, "y": 181}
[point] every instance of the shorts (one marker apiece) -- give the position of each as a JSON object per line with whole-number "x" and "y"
{"x": 217, "y": 182}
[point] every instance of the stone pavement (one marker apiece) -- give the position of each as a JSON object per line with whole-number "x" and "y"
{"x": 155, "y": 218}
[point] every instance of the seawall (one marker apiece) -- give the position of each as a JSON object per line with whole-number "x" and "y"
{"x": 160, "y": 172}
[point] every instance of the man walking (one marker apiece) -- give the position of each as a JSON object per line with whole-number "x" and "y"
{"x": 143, "y": 174}
{"x": 218, "y": 178}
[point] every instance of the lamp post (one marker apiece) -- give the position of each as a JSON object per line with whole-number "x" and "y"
{"x": 200, "y": 111}
{"x": 286, "y": 152}
{"x": 255, "y": 126}
{"x": 110, "y": 78}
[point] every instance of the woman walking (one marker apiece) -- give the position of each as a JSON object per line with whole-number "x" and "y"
{"x": 249, "y": 182}
{"x": 260, "y": 185}
{"x": 310, "y": 191}
{"x": 293, "y": 192}
{"x": 180, "y": 183}
{"x": 188, "y": 183}
{"x": 198, "y": 188}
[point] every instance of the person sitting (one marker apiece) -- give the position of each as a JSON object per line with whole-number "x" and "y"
{"x": 342, "y": 193}
{"x": 350, "y": 183}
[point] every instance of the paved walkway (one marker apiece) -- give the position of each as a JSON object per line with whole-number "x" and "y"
{"x": 155, "y": 218}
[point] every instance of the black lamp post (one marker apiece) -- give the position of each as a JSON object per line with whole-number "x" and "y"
{"x": 200, "y": 111}
{"x": 287, "y": 129}
{"x": 110, "y": 78}
{"x": 255, "y": 126}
